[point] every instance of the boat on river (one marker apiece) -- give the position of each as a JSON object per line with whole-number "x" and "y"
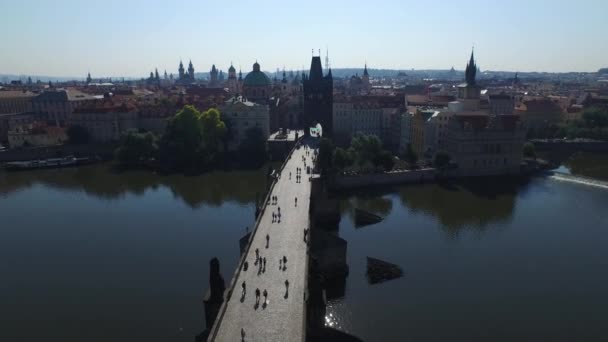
{"x": 45, "y": 163}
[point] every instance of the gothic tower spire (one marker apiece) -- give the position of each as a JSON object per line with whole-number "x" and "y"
{"x": 471, "y": 70}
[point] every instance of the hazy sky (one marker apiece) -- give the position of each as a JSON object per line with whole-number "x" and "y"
{"x": 132, "y": 37}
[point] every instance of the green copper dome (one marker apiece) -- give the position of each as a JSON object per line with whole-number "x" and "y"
{"x": 256, "y": 78}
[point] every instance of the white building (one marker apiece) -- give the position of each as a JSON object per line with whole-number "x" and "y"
{"x": 242, "y": 115}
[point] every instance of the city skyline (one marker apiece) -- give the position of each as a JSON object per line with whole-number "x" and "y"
{"x": 116, "y": 39}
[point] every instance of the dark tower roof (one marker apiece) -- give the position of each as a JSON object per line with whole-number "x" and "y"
{"x": 256, "y": 66}
{"x": 231, "y": 69}
{"x": 329, "y": 74}
{"x": 471, "y": 71}
{"x": 316, "y": 70}
{"x": 365, "y": 71}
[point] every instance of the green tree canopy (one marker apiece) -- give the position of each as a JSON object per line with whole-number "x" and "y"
{"x": 136, "y": 147}
{"x": 366, "y": 148}
{"x": 410, "y": 156}
{"x": 192, "y": 139}
{"x": 252, "y": 150}
{"x": 342, "y": 158}
{"x": 595, "y": 117}
{"x": 385, "y": 160}
{"x": 213, "y": 129}
{"x": 326, "y": 149}
{"x": 442, "y": 159}
{"x": 529, "y": 151}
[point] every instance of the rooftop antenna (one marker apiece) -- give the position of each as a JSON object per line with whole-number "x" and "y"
{"x": 327, "y": 57}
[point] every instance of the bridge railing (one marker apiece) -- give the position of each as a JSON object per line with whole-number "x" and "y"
{"x": 237, "y": 272}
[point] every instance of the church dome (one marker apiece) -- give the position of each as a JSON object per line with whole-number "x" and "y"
{"x": 231, "y": 69}
{"x": 256, "y": 78}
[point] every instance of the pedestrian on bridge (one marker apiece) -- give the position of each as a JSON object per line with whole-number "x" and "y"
{"x": 257, "y": 256}
{"x": 257, "y": 296}
{"x": 267, "y": 240}
{"x": 296, "y": 201}
{"x": 264, "y": 269}
{"x": 244, "y": 288}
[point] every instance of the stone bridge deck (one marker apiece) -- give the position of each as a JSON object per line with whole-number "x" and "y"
{"x": 282, "y": 316}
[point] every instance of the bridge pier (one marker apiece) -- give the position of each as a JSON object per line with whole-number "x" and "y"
{"x": 214, "y": 297}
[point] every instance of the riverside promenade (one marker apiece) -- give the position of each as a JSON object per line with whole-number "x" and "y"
{"x": 281, "y": 315}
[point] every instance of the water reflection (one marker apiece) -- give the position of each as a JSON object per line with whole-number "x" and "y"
{"x": 101, "y": 181}
{"x": 371, "y": 200}
{"x": 465, "y": 205}
{"x": 474, "y": 204}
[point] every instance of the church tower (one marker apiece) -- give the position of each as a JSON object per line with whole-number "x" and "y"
{"x": 365, "y": 79}
{"x": 181, "y": 70}
{"x": 191, "y": 71}
{"x": 318, "y": 98}
{"x": 213, "y": 76}
{"x": 469, "y": 92}
{"x": 233, "y": 83}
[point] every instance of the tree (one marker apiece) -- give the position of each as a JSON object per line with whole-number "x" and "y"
{"x": 342, "y": 159}
{"x": 442, "y": 159}
{"x": 136, "y": 147}
{"x": 213, "y": 129}
{"x": 252, "y": 150}
{"x": 181, "y": 144}
{"x": 385, "y": 159}
{"x": 78, "y": 135}
{"x": 366, "y": 148}
{"x": 410, "y": 156}
{"x": 529, "y": 151}
{"x": 595, "y": 117}
{"x": 326, "y": 148}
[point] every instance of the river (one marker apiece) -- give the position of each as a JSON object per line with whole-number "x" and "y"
{"x": 90, "y": 254}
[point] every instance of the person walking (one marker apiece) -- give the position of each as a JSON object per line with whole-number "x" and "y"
{"x": 267, "y": 240}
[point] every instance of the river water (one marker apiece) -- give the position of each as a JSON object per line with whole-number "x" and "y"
{"x": 90, "y": 254}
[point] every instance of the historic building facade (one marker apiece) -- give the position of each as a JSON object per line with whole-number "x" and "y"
{"x": 242, "y": 115}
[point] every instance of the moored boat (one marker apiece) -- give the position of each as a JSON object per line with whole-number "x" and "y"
{"x": 44, "y": 163}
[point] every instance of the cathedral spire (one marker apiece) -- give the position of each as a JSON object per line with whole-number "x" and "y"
{"x": 365, "y": 70}
{"x": 471, "y": 70}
